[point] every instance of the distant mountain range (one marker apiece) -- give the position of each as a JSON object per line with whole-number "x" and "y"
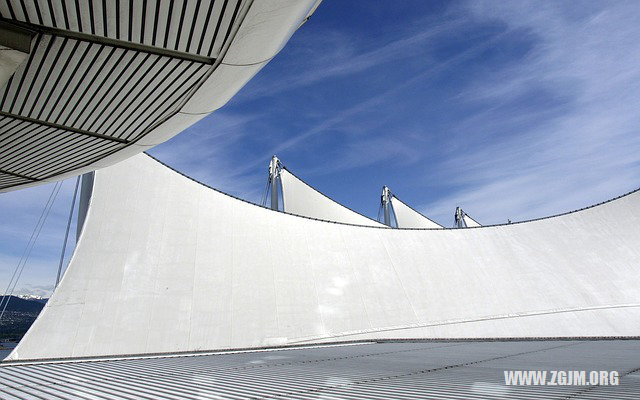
{"x": 22, "y": 304}
{"x": 19, "y": 315}
{"x": 32, "y": 297}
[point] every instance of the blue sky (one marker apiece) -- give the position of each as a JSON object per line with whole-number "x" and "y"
{"x": 511, "y": 110}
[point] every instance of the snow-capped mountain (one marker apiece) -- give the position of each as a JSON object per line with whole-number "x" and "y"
{"x": 30, "y": 297}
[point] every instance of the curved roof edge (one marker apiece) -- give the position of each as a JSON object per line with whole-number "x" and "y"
{"x": 386, "y": 227}
{"x": 318, "y": 344}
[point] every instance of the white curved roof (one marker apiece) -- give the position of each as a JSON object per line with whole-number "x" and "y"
{"x": 301, "y": 199}
{"x": 407, "y": 217}
{"x": 107, "y": 80}
{"x": 166, "y": 264}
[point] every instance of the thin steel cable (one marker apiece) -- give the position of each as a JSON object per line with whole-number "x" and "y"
{"x": 28, "y": 244}
{"x": 66, "y": 234}
{"x": 265, "y": 195}
{"x": 48, "y": 206}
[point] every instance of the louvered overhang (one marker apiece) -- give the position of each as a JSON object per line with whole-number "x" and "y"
{"x": 108, "y": 79}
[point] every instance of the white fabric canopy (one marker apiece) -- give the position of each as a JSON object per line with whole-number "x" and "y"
{"x": 470, "y": 222}
{"x": 166, "y": 264}
{"x": 301, "y": 199}
{"x": 407, "y": 217}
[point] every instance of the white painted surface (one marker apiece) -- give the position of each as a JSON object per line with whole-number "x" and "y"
{"x": 407, "y": 217}
{"x": 301, "y": 199}
{"x": 165, "y": 264}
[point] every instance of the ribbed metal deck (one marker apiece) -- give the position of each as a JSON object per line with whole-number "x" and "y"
{"x": 388, "y": 370}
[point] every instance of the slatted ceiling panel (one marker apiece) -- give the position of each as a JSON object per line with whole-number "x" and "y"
{"x": 163, "y": 23}
{"x": 136, "y": 117}
{"x": 28, "y": 88}
{"x": 8, "y": 127}
{"x": 71, "y": 83}
{"x": 82, "y": 150}
{"x": 100, "y": 92}
{"x": 15, "y": 140}
{"x": 9, "y": 92}
{"x": 13, "y": 135}
{"x": 229, "y": 18}
{"x": 36, "y": 161}
{"x": 91, "y": 9}
{"x": 89, "y": 88}
{"x": 102, "y": 89}
{"x": 143, "y": 103}
{"x": 211, "y": 43}
{"x": 124, "y": 85}
{"x": 140, "y": 78}
{"x": 191, "y": 20}
{"x": 22, "y": 77}
{"x": 196, "y": 28}
{"x": 33, "y": 150}
{"x": 93, "y": 83}
{"x": 53, "y": 82}
{"x": 73, "y": 16}
{"x": 4, "y": 10}
{"x": 11, "y": 180}
{"x": 144, "y": 98}
{"x": 47, "y": 71}
{"x": 34, "y": 147}
{"x": 157, "y": 111}
{"x": 89, "y": 118}
{"x": 108, "y": 19}
{"x": 81, "y": 85}
{"x": 129, "y": 27}
{"x": 82, "y": 153}
{"x": 203, "y": 30}
{"x": 81, "y": 65}
{"x": 172, "y": 30}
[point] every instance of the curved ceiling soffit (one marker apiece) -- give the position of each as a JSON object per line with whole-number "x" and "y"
{"x": 129, "y": 77}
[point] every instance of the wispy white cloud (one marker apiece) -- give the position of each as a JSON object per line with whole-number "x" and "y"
{"x": 379, "y": 101}
{"x": 333, "y": 54}
{"x": 206, "y": 153}
{"x": 532, "y": 163}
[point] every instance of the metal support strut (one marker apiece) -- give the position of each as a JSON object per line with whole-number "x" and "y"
{"x": 386, "y": 205}
{"x": 274, "y": 180}
{"x": 458, "y": 221}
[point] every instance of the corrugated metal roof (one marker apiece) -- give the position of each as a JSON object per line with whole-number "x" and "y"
{"x": 388, "y": 370}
